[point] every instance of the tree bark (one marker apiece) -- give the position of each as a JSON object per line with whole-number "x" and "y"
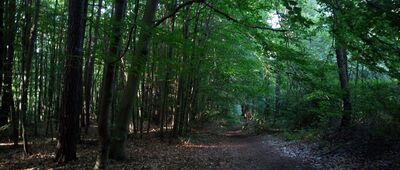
{"x": 7, "y": 97}
{"x": 278, "y": 84}
{"x": 120, "y": 130}
{"x": 72, "y": 92}
{"x": 52, "y": 75}
{"x": 183, "y": 84}
{"x": 135, "y": 114}
{"x": 39, "y": 85}
{"x": 29, "y": 39}
{"x": 85, "y": 11}
{"x": 89, "y": 69}
{"x": 341, "y": 58}
{"x": 3, "y": 115}
{"x": 109, "y": 82}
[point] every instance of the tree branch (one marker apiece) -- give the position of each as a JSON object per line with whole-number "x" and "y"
{"x": 177, "y": 10}
{"x": 237, "y": 21}
{"x": 128, "y": 43}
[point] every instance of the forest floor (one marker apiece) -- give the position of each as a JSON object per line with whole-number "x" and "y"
{"x": 205, "y": 149}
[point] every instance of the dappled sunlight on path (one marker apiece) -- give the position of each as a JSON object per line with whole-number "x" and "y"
{"x": 204, "y": 150}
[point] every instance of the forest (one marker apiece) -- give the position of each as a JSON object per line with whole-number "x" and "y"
{"x": 199, "y": 84}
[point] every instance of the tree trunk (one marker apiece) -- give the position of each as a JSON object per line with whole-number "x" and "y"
{"x": 82, "y": 114}
{"x": 134, "y": 111}
{"x": 164, "y": 87}
{"x": 120, "y": 130}
{"x": 52, "y": 75}
{"x": 39, "y": 84}
{"x": 72, "y": 93}
{"x": 109, "y": 82}
{"x": 104, "y": 115}
{"x": 278, "y": 84}
{"x": 29, "y": 39}
{"x": 3, "y": 116}
{"x": 7, "y": 97}
{"x": 143, "y": 107}
{"x": 341, "y": 58}
{"x": 182, "y": 97}
{"x": 89, "y": 69}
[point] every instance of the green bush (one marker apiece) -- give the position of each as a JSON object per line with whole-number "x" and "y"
{"x": 377, "y": 106}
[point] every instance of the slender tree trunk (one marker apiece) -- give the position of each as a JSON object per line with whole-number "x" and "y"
{"x": 194, "y": 69}
{"x": 181, "y": 114}
{"x": 7, "y": 97}
{"x": 120, "y": 130}
{"x": 3, "y": 115}
{"x": 72, "y": 92}
{"x": 85, "y": 18}
{"x": 150, "y": 96}
{"x": 59, "y": 78}
{"x": 89, "y": 69}
{"x": 109, "y": 82}
{"x": 52, "y": 74}
{"x": 29, "y": 39}
{"x": 143, "y": 107}
{"x": 135, "y": 113}
{"x": 39, "y": 85}
{"x": 104, "y": 115}
{"x": 341, "y": 58}
{"x": 278, "y": 83}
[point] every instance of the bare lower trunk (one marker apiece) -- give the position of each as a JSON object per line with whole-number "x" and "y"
{"x": 29, "y": 39}
{"x": 3, "y": 116}
{"x": 341, "y": 58}
{"x": 72, "y": 92}
{"x": 7, "y": 97}
{"x": 89, "y": 68}
{"x": 120, "y": 130}
{"x": 108, "y": 84}
{"x": 104, "y": 116}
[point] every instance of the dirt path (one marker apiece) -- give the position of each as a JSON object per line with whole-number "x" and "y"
{"x": 256, "y": 152}
{"x": 231, "y": 150}
{"x": 204, "y": 150}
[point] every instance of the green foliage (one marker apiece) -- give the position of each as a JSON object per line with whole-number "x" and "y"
{"x": 230, "y": 120}
{"x": 377, "y": 105}
{"x": 275, "y": 56}
{"x": 259, "y": 123}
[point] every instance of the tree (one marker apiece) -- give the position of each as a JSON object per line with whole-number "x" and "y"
{"x": 109, "y": 74}
{"x": 338, "y": 29}
{"x": 3, "y": 118}
{"x": 7, "y": 105}
{"x": 89, "y": 66}
{"x": 120, "y": 129}
{"x": 72, "y": 92}
{"x": 29, "y": 40}
{"x": 3, "y": 115}
{"x": 341, "y": 58}
{"x": 164, "y": 89}
{"x": 138, "y": 61}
